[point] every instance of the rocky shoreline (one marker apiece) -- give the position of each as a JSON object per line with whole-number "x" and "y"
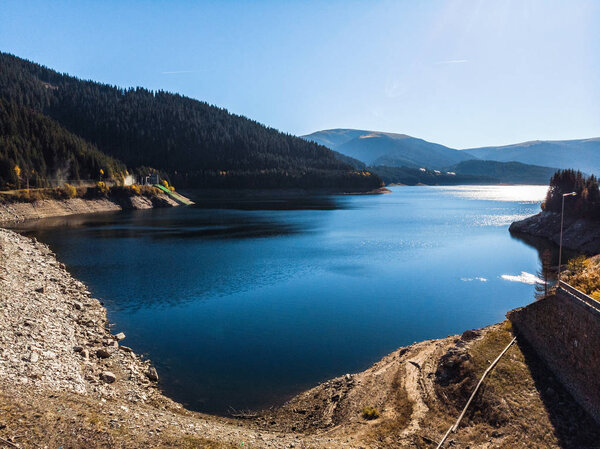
{"x": 57, "y": 353}
{"x": 578, "y": 234}
{"x": 21, "y": 211}
{"x": 66, "y": 380}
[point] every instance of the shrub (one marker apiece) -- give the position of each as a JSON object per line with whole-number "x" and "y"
{"x": 69, "y": 191}
{"x": 577, "y": 265}
{"x": 149, "y": 191}
{"x": 584, "y": 274}
{"x": 136, "y": 189}
{"x": 370, "y": 413}
{"x": 102, "y": 188}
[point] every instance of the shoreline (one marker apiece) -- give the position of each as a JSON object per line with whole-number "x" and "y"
{"x": 57, "y": 353}
{"x": 16, "y": 212}
{"x": 580, "y": 235}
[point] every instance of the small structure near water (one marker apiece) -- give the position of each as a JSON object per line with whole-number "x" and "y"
{"x": 151, "y": 179}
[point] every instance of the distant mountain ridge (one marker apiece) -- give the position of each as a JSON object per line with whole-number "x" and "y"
{"x": 580, "y": 154}
{"x": 401, "y": 150}
{"x": 382, "y": 148}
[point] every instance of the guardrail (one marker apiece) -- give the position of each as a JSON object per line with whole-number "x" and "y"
{"x": 578, "y": 294}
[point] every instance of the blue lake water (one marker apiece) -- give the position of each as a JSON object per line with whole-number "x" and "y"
{"x": 248, "y": 304}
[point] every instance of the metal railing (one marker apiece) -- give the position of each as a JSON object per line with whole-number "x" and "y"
{"x": 578, "y": 294}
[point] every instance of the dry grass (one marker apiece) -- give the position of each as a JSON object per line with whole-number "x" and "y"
{"x": 521, "y": 404}
{"x": 584, "y": 274}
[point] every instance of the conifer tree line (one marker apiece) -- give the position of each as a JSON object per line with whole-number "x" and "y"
{"x": 37, "y": 151}
{"x": 586, "y": 202}
{"x": 192, "y": 142}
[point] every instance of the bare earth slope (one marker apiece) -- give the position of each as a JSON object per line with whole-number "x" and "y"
{"x": 20, "y": 211}
{"x": 66, "y": 381}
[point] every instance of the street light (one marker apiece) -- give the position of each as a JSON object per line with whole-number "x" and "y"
{"x": 562, "y": 213}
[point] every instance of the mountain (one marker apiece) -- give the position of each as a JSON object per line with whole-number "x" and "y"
{"x": 333, "y": 138}
{"x": 505, "y": 172}
{"x": 194, "y": 143}
{"x": 379, "y": 148}
{"x": 580, "y": 154}
{"x": 44, "y": 151}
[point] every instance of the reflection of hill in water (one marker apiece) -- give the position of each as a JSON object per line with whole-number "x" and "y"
{"x": 143, "y": 254}
{"x": 271, "y": 202}
{"x": 541, "y": 245}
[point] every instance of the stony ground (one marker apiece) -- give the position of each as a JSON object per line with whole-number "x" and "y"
{"x": 66, "y": 381}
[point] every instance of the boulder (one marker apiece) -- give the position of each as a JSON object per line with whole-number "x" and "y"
{"x": 152, "y": 374}
{"x": 108, "y": 377}
{"x": 103, "y": 353}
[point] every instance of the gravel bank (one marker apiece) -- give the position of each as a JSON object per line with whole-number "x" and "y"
{"x": 57, "y": 353}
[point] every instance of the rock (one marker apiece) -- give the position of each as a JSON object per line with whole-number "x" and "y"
{"x": 41, "y": 290}
{"x": 125, "y": 349}
{"x": 120, "y": 336}
{"x": 85, "y": 354}
{"x": 469, "y": 335}
{"x": 33, "y": 357}
{"x": 103, "y": 353}
{"x": 77, "y": 348}
{"x": 108, "y": 377}
{"x": 579, "y": 234}
{"x": 77, "y": 305}
{"x": 152, "y": 374}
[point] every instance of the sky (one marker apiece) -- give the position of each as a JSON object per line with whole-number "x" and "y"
{"x": 457, "y": 72}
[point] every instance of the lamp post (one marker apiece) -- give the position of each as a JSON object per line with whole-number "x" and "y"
{"x": 562, "y": 214}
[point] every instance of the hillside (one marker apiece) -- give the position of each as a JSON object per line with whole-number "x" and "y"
{"x": 45, "y": 152}
{"x": 194, "y": 143}
{"x": 413, "y": 176}
{"x": 378, "y": 148}
{"x": 505, "y": 172}
{"x": 580, "y": 154}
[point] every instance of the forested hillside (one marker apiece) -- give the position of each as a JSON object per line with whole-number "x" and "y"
{"x": 195, "y": 143}
{"x": 413, "y": 176}
{"x": 505, "y": 172}
{"x": 36, "y": 150}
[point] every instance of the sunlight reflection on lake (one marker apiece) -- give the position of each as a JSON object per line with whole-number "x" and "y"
{"x": 521, "y": 193}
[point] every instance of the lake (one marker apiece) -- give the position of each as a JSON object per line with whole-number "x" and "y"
{"x": 249, "y": 303}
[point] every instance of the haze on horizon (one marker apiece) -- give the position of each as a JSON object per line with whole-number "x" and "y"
{"x": 460, "y": 73}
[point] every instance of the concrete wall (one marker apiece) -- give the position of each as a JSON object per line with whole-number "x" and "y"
{"x": 564, "y": 330}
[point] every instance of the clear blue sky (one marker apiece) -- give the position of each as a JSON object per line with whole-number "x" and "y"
{"x": 460, "y": 73}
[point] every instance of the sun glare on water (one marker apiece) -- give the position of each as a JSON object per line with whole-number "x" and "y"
{"x": 520, "y": 193}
